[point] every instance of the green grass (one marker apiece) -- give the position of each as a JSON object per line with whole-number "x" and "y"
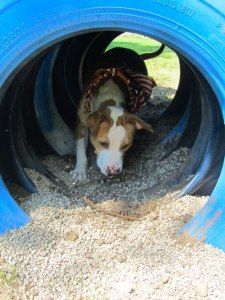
{"x": 164, "y": 68}
{"x": 9, "y": 277}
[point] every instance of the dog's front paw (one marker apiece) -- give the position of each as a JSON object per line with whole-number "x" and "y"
{"x": 78, "y": 174}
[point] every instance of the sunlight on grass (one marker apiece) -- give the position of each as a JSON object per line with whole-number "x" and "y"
{"x": 9, "y": 278}
{"x": 164, "y": 68}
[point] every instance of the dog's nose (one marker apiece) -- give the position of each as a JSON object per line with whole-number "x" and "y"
{"x": 113, "y": 170}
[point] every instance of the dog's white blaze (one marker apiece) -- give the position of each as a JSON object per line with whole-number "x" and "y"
{"x": 112, "y": 158}
{"x": 116, "y": 112}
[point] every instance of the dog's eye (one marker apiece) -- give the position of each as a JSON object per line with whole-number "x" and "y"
{"x": 104, "y": 145}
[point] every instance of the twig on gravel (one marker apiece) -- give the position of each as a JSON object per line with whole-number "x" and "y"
{"x": 94, "y": 180}
{"x": 109, "y": 213}
{"x": 66, "y": 190}
{"x": 126, "y": 172}
{"x": 99, "y": 179}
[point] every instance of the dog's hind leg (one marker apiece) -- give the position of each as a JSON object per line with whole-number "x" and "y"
{"x": 80, "y": 171}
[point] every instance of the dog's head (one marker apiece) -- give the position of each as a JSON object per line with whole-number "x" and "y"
{"x": 112, "y": 131}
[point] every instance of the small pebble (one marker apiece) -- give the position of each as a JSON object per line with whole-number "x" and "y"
{"x": 156, "y": 286}
{"x": 71, "y": 236}
{"x": 122, "y": 258}
{"x": 201, "y": 289}
{"x": 67, "y": 167}
{"x": 154, "y": 215}
{"x": 2, "y": 260}
{"x": 186, "y": 218}
{"x": 165, "y": 279}
{"x": 100, "y": 242}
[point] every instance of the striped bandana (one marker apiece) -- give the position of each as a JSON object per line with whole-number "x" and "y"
{"x": 139, "y": 86}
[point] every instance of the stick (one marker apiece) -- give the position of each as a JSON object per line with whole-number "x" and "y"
{"x": 109, "y": 213}
{"x": 87, "y": 182}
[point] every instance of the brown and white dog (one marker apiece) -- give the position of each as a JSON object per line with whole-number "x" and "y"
{"x": 103, "y": 112}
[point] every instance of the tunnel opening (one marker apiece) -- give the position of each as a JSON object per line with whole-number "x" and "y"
{"x": 159, "y": 62}
{"x": 38, "y": 115}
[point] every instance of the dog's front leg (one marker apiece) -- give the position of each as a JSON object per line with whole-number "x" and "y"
{"x": 80, "y": 171}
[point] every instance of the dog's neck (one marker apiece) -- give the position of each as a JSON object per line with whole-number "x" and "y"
{"x": 109, "y": 94}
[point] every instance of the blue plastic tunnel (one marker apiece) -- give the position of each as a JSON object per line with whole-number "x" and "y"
{"x": 47, "y": 47}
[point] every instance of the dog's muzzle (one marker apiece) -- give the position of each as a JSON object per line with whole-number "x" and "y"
{"x": 113, "y": 171}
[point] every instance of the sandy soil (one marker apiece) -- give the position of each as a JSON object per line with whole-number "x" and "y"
{"x": 72, "y": 251}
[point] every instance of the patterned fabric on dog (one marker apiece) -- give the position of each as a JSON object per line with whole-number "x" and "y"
{"x": 139, "y": 87}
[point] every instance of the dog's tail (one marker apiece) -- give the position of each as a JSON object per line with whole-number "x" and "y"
{"x": 153, "y": 54}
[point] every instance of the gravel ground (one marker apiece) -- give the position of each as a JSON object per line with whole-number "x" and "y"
{"x": 70, "y": 251}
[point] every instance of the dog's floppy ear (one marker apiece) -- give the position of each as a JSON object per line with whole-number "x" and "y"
{"x": 92, "y": 122}
{"x": 139, "y": 123}
{"x": 97, "y": 118}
